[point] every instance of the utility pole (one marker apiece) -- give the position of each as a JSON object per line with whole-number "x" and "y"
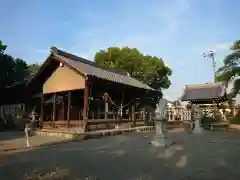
{"x": 211, "y": 55}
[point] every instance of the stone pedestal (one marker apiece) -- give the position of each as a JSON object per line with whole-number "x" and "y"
{"x": 197, "y": 125}
{"x": 160, "y": 139}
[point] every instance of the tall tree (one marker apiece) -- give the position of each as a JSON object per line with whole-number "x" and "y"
{"x": 13, "y": 70}
{"x": 2, "y": 47}
{"x": 33, "y": 68}
{"x": 6, "y": 70}
{"x": 231, "y": 68}
{"x": 147, "y": 69}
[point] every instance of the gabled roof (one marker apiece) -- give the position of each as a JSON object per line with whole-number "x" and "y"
{"x": 88, "y": 68}
{"x": 204, "y": 91}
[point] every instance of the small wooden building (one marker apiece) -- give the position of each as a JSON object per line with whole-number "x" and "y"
{"x": 211, "y": 97}
{"x": 69, "y": 91}
{"x": 205, "y": 93}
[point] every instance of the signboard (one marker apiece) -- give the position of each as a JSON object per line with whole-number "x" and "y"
{"x": 12, "y": 109}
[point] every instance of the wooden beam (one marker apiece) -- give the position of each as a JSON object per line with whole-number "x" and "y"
{"x": 54, "y": 109}
{"x": 63, "y": 110}
{"x": 106, "y": 105}
{"x": 42, "y": 111}
{"x": 133, "y": 114}
{"x": 85, "y": 108}
{"x": 144, "y": 117}
{"x": 69, "y": 108}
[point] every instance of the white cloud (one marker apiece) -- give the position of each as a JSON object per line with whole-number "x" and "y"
{"x": 42, "y": 51}
{"x": 222, "y": 46}
{"x": 165, "y": 16}
{"x": 216, "y": 48}
{"x": 150, "y": 29}
{"x": 171, "y": 14}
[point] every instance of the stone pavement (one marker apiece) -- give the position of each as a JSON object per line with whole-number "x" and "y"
{"x": 208, "y": 156}
{"x": 16, "y": 141}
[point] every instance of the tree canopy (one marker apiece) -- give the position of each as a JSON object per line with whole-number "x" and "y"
{"x": 13, "y": 69}
{"x": 148, "y": 69}
{"x": 2, "y": 47}
{"x": 231, "y": 68}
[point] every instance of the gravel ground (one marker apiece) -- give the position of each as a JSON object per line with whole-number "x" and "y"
{"x": 208, "y": 156}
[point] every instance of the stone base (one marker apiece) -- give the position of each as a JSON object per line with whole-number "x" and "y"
{"x": 197, "y": 130}
{"x": 164, "y": 144}
{"x": 160, "y": 140}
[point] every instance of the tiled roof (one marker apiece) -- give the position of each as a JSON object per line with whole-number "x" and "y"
{"x": 204, "y": 91}
{"x": 89, "y": 68}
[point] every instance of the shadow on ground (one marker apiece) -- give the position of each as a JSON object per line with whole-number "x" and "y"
{"x": 212, "y": 155}
{"x": 10, "y": 135}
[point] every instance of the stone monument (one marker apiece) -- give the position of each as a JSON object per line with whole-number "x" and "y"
{"x": 160, "y": 138}
{"x": 197, "y": 119}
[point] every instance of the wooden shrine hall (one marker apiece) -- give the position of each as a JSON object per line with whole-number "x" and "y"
{"x": 205, "y": 93}
{"x": 69, "y": 91}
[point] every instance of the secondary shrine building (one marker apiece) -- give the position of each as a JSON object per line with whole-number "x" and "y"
{"x": 69, "y": 91}
{"x": 207, "y": 93}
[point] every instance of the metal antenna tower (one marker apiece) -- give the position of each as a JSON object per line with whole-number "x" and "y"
{"x": 211, "y": 54}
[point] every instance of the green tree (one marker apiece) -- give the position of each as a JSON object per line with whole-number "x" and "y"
{"x": 150, "y": 70}
{"x": 33, "y": 68}
{"x": 6, "y": 70}
{"x": 231, "y": 68}
{"x": 2, "y": 47}
{"x": 13, "y": 70}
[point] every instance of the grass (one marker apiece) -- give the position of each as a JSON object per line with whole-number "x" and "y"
{"x": 235, "y": 119}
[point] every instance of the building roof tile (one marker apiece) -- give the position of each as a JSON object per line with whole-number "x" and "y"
{"x": 89, "y": 68}
{"x": 204, "y": 91}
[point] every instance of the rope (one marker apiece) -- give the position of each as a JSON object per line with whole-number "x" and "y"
{"x": 112, "y": 102}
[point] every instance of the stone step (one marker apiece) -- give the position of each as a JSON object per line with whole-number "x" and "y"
{"x": 77, "y": 134}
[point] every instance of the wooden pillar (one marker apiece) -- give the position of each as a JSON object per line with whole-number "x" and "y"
{"x": 54, "y": 109}
{"x": 69, "y": 108}
{"x": 234, "y": 110}
{"x": 106, "y": 105}
{"x": 144, "y": 117}
{"x": 133, "y": 114}
{"x": 129, "y": 113}
{"x": 85, "y": 108}
{"x": 42, "y": 111}
{"x": 63, "y": 110}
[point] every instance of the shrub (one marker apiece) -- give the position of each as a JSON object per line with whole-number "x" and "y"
{"x": 235, "y": 119}
{"x": 19, "y": 123}
{"x": 9, "y": 122}
{"x": 206, "y": 121}
{"x": 2, "y": 125}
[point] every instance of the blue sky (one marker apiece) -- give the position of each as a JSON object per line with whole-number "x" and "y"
{"x": 178, "y": 31}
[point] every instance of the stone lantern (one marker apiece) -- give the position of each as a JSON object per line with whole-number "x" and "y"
{"x": 160, "y": 138}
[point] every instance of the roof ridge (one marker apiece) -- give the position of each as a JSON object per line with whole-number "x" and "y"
{"x": 86, "y": 61}
{"x": 71, "y": 56}
{"x": 206, "y": 85}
